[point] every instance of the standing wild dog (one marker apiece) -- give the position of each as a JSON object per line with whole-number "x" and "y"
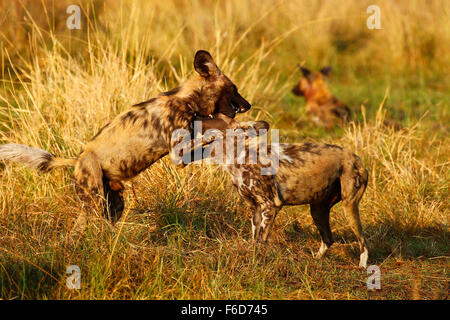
{"x": 138, "y": 137}
{"x": 317, "y": 174}
{"x": 322, "y": 108}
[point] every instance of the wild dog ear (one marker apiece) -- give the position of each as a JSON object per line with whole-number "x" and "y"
{"x": 306, "y": 72}
{"x": 204, "y": 64}
{"x": 326, "y": 71}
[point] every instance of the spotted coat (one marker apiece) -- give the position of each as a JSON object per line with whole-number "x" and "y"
{"x": 317, "y": 174}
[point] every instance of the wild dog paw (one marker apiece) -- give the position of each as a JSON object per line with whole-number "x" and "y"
{"x": 321, "y": 252}
{"x": 363, "y": 259}
{"x": 256, "y": 125}
{"x": 261, "y": 125}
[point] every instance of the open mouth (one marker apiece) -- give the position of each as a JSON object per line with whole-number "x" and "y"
{"x": 237, "y": 108}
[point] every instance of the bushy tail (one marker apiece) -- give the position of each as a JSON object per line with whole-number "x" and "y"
{"x": 33, "y": 157}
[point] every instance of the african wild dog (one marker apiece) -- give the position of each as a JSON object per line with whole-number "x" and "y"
{"x": 322, "y": 108}
{"x": 317, "y": 174}
{"x": 138, "y": 137}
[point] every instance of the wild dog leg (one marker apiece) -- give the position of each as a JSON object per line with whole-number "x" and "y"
{"x": 188, "y": 147}
{"x": 321, "y": 216}
{"x": 268, "y": 215}
{"x": 221, "y": 123}
{"x": 88, "y": 183}
{"x": 113, "y": 199}
{"x": 256, "y": 223}
{"x": 352, "y": 214}
{"x": 353, "y": 184}
{"x": 256, "y": 125}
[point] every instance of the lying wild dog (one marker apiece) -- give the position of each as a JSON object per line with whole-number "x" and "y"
{"x": 322, "y": 108}
{"x": 138, "y": 137}
{"x": 317, "y": 174}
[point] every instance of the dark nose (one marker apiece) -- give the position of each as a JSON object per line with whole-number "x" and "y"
{"x": 243, "y": 104}
{"x": 296, "y": 91}
{"x": 246, "y": 106}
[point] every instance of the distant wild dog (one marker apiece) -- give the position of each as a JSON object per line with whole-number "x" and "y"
{"x": 317, "y": 174}
{"x": 138, "y": 137}
{"x": 322, "y": 108}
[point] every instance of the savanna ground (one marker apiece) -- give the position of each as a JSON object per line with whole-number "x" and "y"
{"x": 186, "y": 233}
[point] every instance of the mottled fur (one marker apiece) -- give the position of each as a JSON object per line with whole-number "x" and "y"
{"x": 317, "y": 174}
{"x": 222, "y": 122}
{"x": 138, "y": 137}
{"x": 322, "y": 108}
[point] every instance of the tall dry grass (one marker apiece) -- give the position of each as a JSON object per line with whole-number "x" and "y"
{"x": 185, "y": 233}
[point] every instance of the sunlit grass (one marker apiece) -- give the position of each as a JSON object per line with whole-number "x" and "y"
{"x": 186, "y": 233}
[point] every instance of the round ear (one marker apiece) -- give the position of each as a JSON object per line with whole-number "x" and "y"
{"x": 306, "y": 72}
{"x": 326, "y": 71}
{"x": 204, "y": 64}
